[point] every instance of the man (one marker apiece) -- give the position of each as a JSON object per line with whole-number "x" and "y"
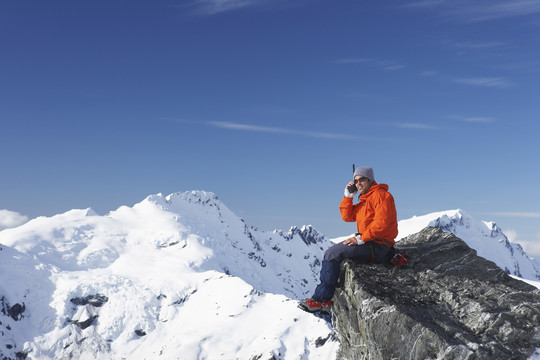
{"x": 376, "y": 223}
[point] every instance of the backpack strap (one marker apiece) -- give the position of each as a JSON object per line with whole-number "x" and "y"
{"x": 372, "y": 258}
{"x": 385, "y": 242}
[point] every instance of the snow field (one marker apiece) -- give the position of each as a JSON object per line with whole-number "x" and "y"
{"x": 178, "y": 277}
{"x": 182, "y": 277}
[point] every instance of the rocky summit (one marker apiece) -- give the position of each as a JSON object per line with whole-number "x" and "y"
{"x": 447, "y": 303}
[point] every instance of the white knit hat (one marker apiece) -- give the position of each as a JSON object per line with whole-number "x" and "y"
{"x": 365, "y": 171}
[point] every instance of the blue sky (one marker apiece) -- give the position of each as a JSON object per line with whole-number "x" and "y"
{"x": 268, "y": 104}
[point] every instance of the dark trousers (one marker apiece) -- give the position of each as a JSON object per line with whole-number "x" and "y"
{"x": 333, "y": 258}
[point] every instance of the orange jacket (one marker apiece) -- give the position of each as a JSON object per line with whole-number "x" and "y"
{"x": 375, "y": 214}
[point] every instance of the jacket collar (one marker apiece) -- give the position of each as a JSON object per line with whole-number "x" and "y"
{"x": 374, "y": 187}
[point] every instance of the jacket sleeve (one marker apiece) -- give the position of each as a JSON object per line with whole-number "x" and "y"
{"x": 384, "y": 220}
{"x": 347, "y": 210}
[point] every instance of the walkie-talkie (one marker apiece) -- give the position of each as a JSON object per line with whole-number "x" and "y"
{"x": 352, "y": 189}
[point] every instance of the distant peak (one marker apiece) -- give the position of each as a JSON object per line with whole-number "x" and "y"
{"x": 194, "y": 196}
{"x": 307, "y": 233}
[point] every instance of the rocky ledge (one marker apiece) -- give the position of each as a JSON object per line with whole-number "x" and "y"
{"x": 448, "y": 303}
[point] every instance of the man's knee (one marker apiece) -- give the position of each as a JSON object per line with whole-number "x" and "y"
{"x": 335, "y": 253}
{"x": 329, "y": 254}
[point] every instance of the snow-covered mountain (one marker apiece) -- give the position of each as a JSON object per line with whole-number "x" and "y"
{"x": 171, "y": 277}
{"x": 485, "y": 237}
{"x": 181, "y": 277}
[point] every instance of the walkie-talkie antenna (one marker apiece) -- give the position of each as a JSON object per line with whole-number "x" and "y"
{"x": 353, "y": 169}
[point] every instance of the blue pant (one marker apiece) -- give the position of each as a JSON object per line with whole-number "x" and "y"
{"x": 333, "y": 258}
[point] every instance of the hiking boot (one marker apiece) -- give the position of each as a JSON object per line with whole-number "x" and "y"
{"x": 313, "y": 306}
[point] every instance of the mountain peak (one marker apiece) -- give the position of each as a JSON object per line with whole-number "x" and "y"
{"x": 448, "y": 303}
{"x": 127, "y": 283}
{"x": 485, "y": 237}
{"x": 164, "y": 262}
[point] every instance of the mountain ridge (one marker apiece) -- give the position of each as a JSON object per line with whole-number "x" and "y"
{"x": 85, "y": 285}
{"x": 485, "y": 237}
{"x": 161, "y": 264}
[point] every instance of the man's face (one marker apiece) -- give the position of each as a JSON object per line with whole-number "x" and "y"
{"x": 362, "y": 184}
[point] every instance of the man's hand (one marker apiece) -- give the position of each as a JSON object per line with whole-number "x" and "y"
{"x": 348, "y": 193}
{"x": 351, "y": 241}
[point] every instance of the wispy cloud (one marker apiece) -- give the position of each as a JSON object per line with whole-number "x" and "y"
{"x": 531, "y": 246}
{"x": 501, "y": 9}
{"x": 246, "y": 127}
{"x": 235, "y": 126}
{"x": 426, "y": 3}
{"x": 391, "y": 67}
{"x": 473, "y": 119}
{"x": 485, "y": 82}
{"x": 417, "y": 126}
{"x": 371, "y": 97}
{"x": 479, "y": 45}
{"x": 269, "y": 129}
{"x": 386, "y": 65}
{"x": 528, "y": 215}
{"x": 478, "y": 10}
{"x": 352, "y": 61}
{"x": 211, "y": 7}
{"x": 11, "y": 219}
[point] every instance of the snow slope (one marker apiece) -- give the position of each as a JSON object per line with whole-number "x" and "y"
{"x": 171, "y": 277}
{"x": 485, "y": 237}
{"x": 181, "y": 277}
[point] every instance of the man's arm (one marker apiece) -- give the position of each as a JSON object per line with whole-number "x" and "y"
{"x": 346, "y": 208}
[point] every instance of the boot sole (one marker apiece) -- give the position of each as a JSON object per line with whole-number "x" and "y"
{"x": 314, "y": 311}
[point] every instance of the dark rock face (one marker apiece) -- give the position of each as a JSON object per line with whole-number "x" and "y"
{"x": 308, "y": 234}
{"x": 15, "y": 311}
{"x": 95, "y": 300}
{"x": 90, "y": 302}
{"x": 448, "y": 303}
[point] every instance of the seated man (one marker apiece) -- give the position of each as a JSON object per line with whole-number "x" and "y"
{"x": 376, "y": 221}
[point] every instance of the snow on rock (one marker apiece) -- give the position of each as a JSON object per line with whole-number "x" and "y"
{"x": 177, "y": 274}
{"x": 181, "y": 274}
{"x": 484, "y": 237}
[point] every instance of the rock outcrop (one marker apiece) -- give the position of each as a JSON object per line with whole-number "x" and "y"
{"x": 448, "y": 303}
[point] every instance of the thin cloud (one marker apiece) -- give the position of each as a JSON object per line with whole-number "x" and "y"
{"x": 474, "y": 119}
{"x": 235, "y": 126}
{"x": 10, "y": 219}
{"x": 527, "y": 215}
{"x": 417, "y": 126}
{"x": 477, "y": 11}
{"x": 501, "y": 9}
{"x": 368, "y": 97}
{"x": 211, "y": 7}
{"x": 246, "y": 127}
{"x": 478, "y": 45}
{"x": 532, "y": 248}
{"x": 485, "y": 82}
{"x": 392, "y": 67}
{"x": 268, "y": 129}
{"x": 513, "y": 237}
{"x": 386, "y": 65}
{"x": 426, "y": 3}
{"x": 352, "y": 61}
